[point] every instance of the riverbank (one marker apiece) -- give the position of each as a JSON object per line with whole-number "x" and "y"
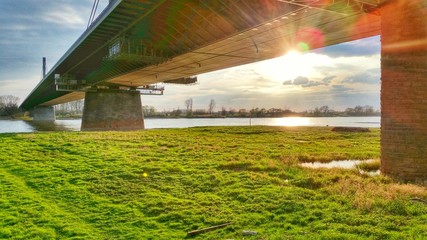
{"x": 6, "y": 118}
{"x": 15, "y": 117}
{"x": 163, "y": 183}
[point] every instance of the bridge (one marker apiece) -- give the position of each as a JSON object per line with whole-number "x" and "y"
{"x": 136, "y": 43}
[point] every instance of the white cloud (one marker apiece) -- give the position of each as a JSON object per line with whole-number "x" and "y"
{"x": 16, "y": 88}
{"x": 301, "y": 80}
{"x": 288, "y": 82}
{"x": 64, "y": 16}
{"x": 328, "y": 79}
{"x": 371, "y": 76}
{"x": 14, "y": 27}
{"x": 250, "y": 86}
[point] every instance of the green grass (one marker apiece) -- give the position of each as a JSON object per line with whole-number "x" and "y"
{"x": 160, "y": 184}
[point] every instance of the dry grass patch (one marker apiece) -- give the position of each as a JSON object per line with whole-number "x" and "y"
{"x": 369, "y": 166}
{"x": 367, "y": 192}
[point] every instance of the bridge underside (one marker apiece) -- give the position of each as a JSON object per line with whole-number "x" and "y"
{"x": 146, "y": 42}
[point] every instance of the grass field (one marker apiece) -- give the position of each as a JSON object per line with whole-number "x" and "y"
{"x": 160, "y": 184}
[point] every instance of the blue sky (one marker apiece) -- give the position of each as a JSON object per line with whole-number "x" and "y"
{"x": 339, "y": 76}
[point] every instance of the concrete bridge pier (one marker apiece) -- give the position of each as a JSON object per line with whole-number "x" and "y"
{"x": 109, "y": 110}
{"x": 404, "y": 90}
{"x": 43, "y": 113}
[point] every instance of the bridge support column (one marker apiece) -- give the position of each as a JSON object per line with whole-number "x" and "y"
{"x": 43, "y": 113}
{"x": 108, "y": 110}
{"x": 404, "y": 90}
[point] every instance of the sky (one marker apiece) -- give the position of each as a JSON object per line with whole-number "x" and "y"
{"x": 338, "y": 76}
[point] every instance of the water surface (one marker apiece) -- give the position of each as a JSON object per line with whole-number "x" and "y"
{"x": 74, "y": 125}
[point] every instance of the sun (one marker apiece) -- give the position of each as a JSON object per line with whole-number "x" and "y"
{"x": 290, "y": 66}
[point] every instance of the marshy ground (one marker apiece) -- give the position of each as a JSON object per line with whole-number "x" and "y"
{"x": 163, "y": 183}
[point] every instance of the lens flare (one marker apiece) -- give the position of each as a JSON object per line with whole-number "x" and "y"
{"x": 302, "y": 47}
{"x": 310, "y": 38}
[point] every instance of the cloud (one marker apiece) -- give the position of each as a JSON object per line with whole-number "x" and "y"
{"x": 370, "y": 76}
{"x": 15, "y": 88}
{"x": 45, "y": 15}
{"x": 32, "y": 30}
{"x": 340, "y": 89}
{"x": 328, "y": 79}
{"x": 303, "y": 82}
{"x": 67, "y": 16}
{"x": 300, "y": 80}
{"x": 287, "y": 82}
{"x": 313, "y": 84}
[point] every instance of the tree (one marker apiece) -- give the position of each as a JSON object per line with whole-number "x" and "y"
{"x": 223, "y": 112}
{"x": 243, "y": 113}
{"x": 70, "y": 109}
{"x": 176, "y": 113}
{"x": 189, "y": 106}
{"x": 231, "y": 111}
{"x": 211, "y": 106}
{"x": 8, "y": 105}
{"x": 325, "y": 110}
{"x": 369, "y": 110}
{"x": 360, "y": 111}
{"x": 148, "y": 111}
{"x": 322, "y": 111}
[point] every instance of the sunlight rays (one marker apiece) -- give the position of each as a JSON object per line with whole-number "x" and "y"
{"x": 292, "y": 65}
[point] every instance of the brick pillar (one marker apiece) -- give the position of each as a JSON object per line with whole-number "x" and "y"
{"x": 112, "y": 110}
{"x": 404, "y": 90}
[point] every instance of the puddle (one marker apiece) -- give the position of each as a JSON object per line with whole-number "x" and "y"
{"x": 371, "y": 173}
{"x": 346, "y": 164}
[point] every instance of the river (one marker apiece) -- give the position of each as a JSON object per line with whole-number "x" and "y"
{"x": 12, "y": 126}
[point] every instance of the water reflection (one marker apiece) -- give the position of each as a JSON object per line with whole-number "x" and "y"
{"x": 62, "y": 125}
{"x": 347, "y": 164}
{"x": 13, "y": 126}
{"x": 292, "y": 121}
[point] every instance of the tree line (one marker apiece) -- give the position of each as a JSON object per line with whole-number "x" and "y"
{"x": 357, "y": 111}
{"x": 72, "y": 109}
{"x": 323, "y": 111}
{"x": 75, "y": 110}
{"x": 189, "y": 112}
{"x": 9, "y": 106}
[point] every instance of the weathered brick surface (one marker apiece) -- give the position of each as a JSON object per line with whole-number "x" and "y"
{"x": 404, "y": 90}
{"x": 112, "y": 110}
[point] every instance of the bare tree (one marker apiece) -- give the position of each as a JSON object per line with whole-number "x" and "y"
{"x": 149, "y": 111}
{"x": 189, "y": 106}
{"x": 8, "y": 105}
{"x": 70, "y": 109}
{"x": 211, "y": 106}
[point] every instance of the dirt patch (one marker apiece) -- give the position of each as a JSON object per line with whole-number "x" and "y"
{"x": 350, "y": 129}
